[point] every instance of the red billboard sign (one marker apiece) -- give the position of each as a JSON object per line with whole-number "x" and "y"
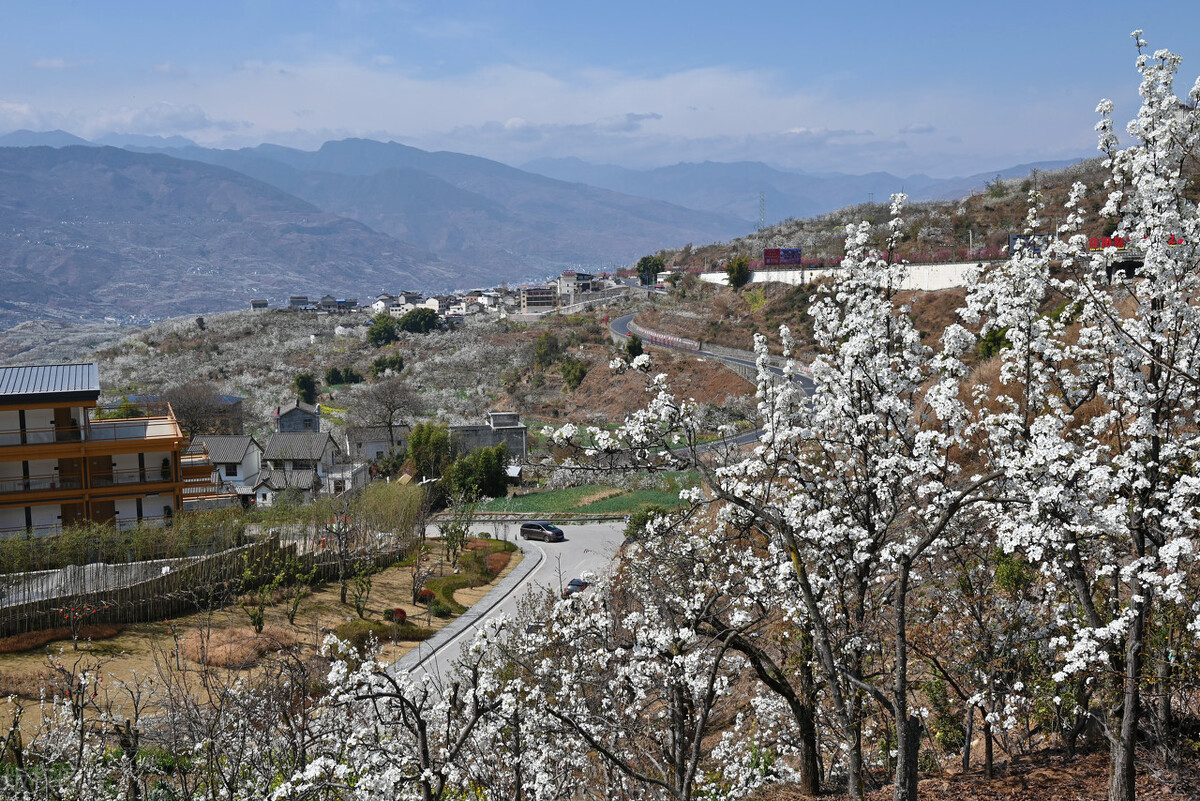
{"x": 779, "y": 256}
{"x": 1120, "y": 243}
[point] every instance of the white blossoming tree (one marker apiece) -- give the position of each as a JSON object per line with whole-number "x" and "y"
{"x": 1098, "y": 431}
{"x": 856, "y": 483}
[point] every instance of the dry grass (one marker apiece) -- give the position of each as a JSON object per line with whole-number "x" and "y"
{"x": 933, "y": 312}
{"x": 496, "y": 562}
{"x": 19, "y": 643}
{"x": 27, "y": 684}
{"x": 238, "y": 647}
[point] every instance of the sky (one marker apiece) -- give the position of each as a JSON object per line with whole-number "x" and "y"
{"x": 940, "y": 88}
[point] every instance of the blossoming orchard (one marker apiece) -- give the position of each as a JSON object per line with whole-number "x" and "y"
{"x": 926, "y": 560}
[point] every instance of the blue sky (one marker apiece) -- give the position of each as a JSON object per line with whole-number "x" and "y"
{"x": 944, "y": 88}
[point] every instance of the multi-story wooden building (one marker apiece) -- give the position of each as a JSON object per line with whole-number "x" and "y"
{"x": 65, "y": 458}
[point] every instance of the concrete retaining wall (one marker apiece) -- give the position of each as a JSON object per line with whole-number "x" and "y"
{"x": 921, "y": 277}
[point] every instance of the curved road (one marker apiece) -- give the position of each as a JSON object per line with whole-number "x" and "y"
{"x": 547, "y": 567}
{"x": 620, "y": 326}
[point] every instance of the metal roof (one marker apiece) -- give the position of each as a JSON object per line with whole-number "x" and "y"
{"x": 304, "y": 445}
{"x": 76, "y": 380}
{"x": 225, "y": 448}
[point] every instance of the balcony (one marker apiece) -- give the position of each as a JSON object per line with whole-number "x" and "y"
{"x": 49, "y": 482}
{"x": 54, "y": 529}
{"x": 117, "y": 478}
{"x": 42, "y": 530}
{"x": 129, "y": 420}
{"x": 125, "y": 421}
{"x": 47, "y": 435}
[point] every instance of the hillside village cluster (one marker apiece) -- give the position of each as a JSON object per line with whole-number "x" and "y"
{"x": 570, "y": 288}
{"x": 130, "y": 463}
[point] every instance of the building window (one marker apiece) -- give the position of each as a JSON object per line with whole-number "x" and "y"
{"x": 308, "y": 422}
{"x": 231, "y": 470}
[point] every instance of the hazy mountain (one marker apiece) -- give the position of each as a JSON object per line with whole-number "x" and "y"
{"x": 953, "y": 188}
{"x": 89, "y": 232}
{"x": 735, "y": 188}
{"x": 133, "y": 141}
{"x": 24, "y": 138}
{"x": 475, "y": 212}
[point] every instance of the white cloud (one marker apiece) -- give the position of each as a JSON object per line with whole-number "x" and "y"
{"x": 52, "y": 64}
{"x": 514, "y": 114}
{"x": 167, "y": 68}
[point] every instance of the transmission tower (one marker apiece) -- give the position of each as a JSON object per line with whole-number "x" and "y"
{"x": 762, "y": 210}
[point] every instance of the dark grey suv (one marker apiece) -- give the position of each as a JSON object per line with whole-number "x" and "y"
{"x": 540, "y": 530}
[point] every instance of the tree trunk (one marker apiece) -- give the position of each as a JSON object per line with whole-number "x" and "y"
{"x": 809, "y": 766}
{"x": 908, "y": 727}
{"x": 854, "y": 771}
{"x": 1123, "y": 777}
{"x": 988, "y": 764}
{"x": 518, "y": 784}
{"x": 969, "y": 727}
{"x": 908, "y": 746}
{"x": 1083, "y": 700}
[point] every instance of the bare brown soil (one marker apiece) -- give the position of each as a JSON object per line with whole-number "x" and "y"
{"x": 1040, "y": 777}
{"x": 227, "y": 635}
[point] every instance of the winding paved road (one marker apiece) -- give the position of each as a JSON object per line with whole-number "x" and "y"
{"x": 620, "y": 326}
{"x": 547, "y": 567}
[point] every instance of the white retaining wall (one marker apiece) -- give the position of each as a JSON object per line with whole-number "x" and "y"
{"x": 921, "y": 277}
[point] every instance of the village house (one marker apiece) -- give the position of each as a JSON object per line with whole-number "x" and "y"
{"x": 236, "y": 461}
{"x": 310, "y": 462}
{"x": 499, "y": 427}
{"x": 536, "y": 299}
{"x": 298, "y": 416}
{"x": 373, "y": 442}
{"x": 65, "y": 458}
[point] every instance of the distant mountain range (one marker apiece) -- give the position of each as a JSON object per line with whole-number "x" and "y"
{"x": 89, "y": 233}
{"x": 164, "y": 226}
{"x": 736, "y": 188}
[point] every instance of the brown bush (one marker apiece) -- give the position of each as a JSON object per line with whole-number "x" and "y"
{"x": 497, "y": 561}
{"x": 477, "y": 544}
{"x": 36, "y": 639}
{"x": 237, "y": 647}
{"x": 27, "y": 685}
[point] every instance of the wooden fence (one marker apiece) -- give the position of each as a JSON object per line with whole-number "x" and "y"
{"x": 33, "y": 602}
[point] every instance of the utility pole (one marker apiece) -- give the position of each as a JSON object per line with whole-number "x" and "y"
{"x": 762, "y": 210}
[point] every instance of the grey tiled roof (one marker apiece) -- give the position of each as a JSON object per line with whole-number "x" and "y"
{"x": 291, "y": 406}
{"x": 225, "y": 448}
{"x": 50, "y": 379}
{"x": 282, "y": 479}
{"x": 308, "y": 445}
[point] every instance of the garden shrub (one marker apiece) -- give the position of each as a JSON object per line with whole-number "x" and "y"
{"x": 496, "y": 562}
{"x": 358, "y": 634}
